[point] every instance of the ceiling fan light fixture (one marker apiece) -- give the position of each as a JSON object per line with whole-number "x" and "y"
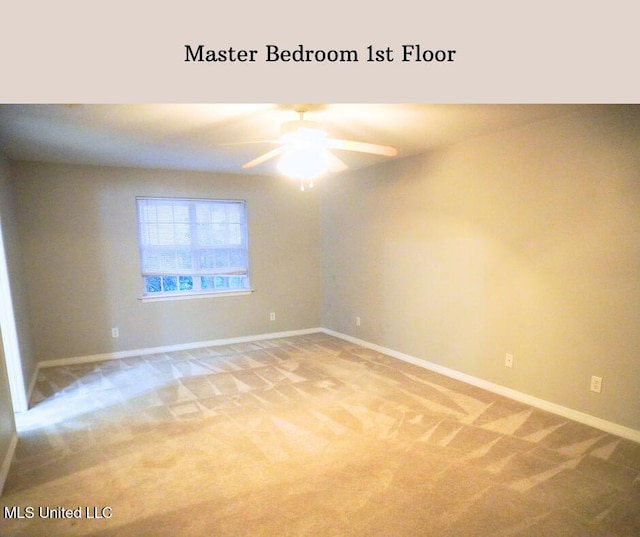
{"x": 305, "y": 154}
{"x": 304, "y": 161}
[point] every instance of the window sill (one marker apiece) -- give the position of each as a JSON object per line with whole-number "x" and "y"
{"x": 190, "y": 296}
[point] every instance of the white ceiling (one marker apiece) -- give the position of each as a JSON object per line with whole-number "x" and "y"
{"x": 213, "y": 137}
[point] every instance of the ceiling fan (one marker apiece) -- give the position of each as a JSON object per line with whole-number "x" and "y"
{"x": 305, "y": 148}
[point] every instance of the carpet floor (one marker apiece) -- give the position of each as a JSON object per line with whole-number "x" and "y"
{"x": 304, "y": 436}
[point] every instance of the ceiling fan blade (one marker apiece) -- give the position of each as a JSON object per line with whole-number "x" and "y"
{"x": 263, "y": 158}
{"x": 335, "y": 164}
{"x": 362, "y": 147}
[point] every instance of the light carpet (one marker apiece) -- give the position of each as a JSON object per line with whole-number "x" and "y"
{"x": 305, "y": 436}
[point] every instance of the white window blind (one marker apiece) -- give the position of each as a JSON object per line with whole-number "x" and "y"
{"x": 190, "y": 246}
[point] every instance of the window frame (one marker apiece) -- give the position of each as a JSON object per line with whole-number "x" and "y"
{"x": 195, "y": 273}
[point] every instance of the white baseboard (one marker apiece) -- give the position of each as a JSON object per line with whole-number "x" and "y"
{"x": 581, "y": 417}
{"x": 575, "y": 415}
{"x": 6, "y": 463}
{"x": 173, "y": 348}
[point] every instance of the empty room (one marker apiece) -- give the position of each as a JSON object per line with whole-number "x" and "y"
{"x": 320, "y": 320}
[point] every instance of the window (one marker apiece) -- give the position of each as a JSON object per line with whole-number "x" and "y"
{"x": 192, "y": 246}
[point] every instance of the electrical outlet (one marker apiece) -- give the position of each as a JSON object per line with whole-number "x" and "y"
{"x": 115, "y": 332}
{"x": 272, "y": 316}
{"x": 596, "y": 384}
{"x": 508, "y": 360}
{"x": 357, "y": 321}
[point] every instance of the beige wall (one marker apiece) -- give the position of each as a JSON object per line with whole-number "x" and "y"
{"x": 79, "y": 238}
{"x": 526, "y": 242}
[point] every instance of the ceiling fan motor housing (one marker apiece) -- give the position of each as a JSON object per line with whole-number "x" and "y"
{"x": 294, "y": 126}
